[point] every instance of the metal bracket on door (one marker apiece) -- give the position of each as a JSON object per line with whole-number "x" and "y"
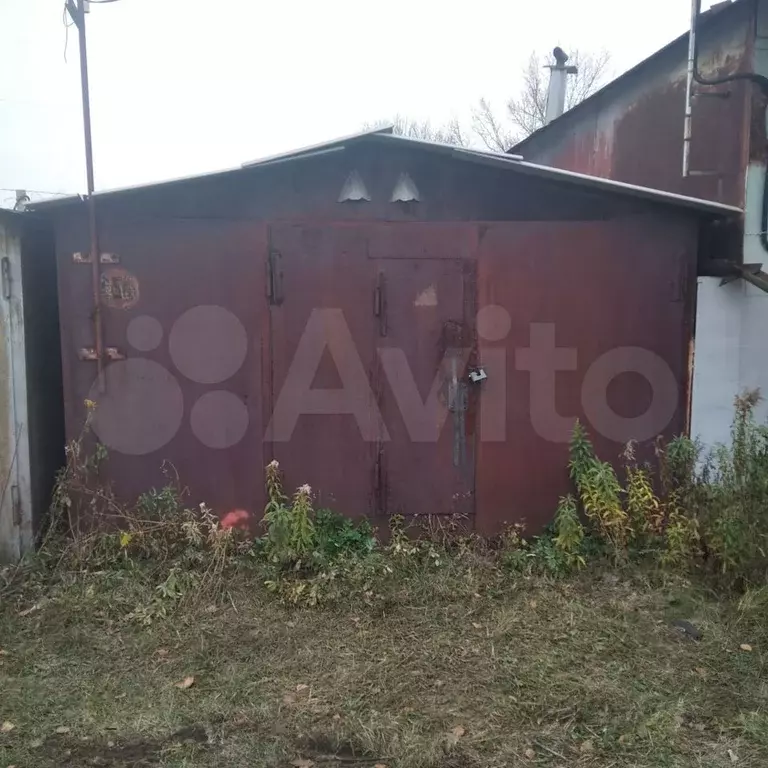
{"x": 90, "y": 353}
{"x": 79, "y": 257}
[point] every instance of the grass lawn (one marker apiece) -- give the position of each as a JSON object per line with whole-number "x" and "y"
{"x": 454, "y": 667}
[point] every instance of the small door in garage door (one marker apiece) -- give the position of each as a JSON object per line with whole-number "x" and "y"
{"x": 424, "y": 304}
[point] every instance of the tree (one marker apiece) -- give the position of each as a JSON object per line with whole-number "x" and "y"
{"x": 525, "y": 113}
{"x": 450, "y": 133}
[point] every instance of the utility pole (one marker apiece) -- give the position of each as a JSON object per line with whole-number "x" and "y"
{"x": 77, "y": 10}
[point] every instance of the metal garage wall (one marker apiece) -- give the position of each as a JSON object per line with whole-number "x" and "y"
{"x": 208, "y": 289}
{"x": 584, "y": 320}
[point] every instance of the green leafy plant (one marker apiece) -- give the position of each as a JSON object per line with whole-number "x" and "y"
{"x": 582, "y": 455}
{"x": 601, "y": 497}
{"x": 678, "y": 460}
{"x": 540, "y": 555}
{"x": 599, "y": 491}
{"x": 291, "y": 538}
{"x": 339, "y": 536}
{"x": 644, "y": 507}
{"x": 311, "y": 555}
{"x": 681, "y": 539}
{"x": 724, "y": 495}
{"x": 569, "y": 532}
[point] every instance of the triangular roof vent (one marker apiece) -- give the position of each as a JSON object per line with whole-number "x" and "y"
{"x": 354, "y": 189}
{"x": 405, "y": 190}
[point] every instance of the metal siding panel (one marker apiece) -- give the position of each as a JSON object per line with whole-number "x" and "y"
{"x": 601, "y": 286}
{"x": 324, "y": 268}
{"x": 178, "y": 265}
{"x": 632, "y": 131}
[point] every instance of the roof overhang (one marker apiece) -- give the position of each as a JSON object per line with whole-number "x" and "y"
{"x": 384, "y": 136}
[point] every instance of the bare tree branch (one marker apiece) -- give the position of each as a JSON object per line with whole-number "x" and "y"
{"x": 526, "y": 112}
{"x": 451, "y": 133}
{"x": 594, "y": 71}
{"x": 489, "y": 129}
{"x": 454, "y": 134}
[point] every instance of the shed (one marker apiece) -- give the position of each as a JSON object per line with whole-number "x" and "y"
{"x": 408, "y": 327}
{"x": 31, "y": 413}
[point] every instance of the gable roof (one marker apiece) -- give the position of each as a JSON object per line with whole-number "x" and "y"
{"x": 385, "y": 137}
{"x": 718, "y": 11}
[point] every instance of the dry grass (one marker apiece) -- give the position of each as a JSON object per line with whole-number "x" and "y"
{"x": 460, "y": 666}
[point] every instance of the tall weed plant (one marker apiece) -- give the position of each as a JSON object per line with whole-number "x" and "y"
{"x": 694, "y": 509}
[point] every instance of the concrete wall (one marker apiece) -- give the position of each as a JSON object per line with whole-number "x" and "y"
{"x": 16, "y": 528}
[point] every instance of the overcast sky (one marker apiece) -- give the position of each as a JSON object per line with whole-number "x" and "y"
{"x": 185, "y": 86}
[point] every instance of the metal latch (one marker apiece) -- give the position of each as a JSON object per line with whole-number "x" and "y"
{"x": 457, "y": 397}
{"x": 476, "y": 375}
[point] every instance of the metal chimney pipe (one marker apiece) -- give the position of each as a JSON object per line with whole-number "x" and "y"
{"x": 558, "y": 85}
{"x": 22, "y": 198}
{"x": 688, "y": 121}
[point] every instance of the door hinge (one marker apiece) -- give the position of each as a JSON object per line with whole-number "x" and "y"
{"x": 274, "y": 277}
{"x": 380, "y": 302}
{"x": 90, "y": 354}
{"x": 379, "y": 492}
{"x": 6, "y": 277}
{"x": 16, "y": 505}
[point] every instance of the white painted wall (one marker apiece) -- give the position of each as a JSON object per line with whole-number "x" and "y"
{"x": 16, "y": 532}
{"x": 731, "y": 335}
{"x": 716, "y": 358}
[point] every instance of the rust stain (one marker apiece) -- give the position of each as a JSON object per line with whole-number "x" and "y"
{"x": 634, "y": 132}
{"x": 119, "y": 288}
{"x": 427, "y": 298}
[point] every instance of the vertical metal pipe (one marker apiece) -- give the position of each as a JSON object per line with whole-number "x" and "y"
{"x": 92, "y": 223}
{"x": 556, "y": 94}
{"x": 688, "y": 126}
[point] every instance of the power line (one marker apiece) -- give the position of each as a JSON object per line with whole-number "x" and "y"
{"x": 67, "y": 25}
{"x": 39, "y": 191}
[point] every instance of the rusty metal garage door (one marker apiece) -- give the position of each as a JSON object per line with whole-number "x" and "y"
{"x": 371, "y": 341}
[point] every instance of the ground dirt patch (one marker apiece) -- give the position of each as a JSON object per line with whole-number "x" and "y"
{"x": 460, "y": 666}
